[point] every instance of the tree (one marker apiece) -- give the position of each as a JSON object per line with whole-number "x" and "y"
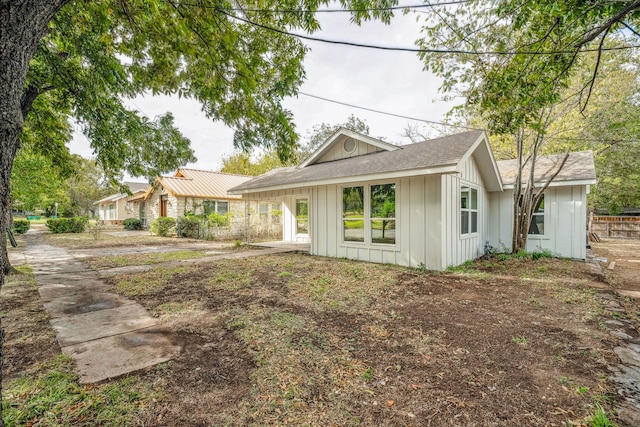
{"x": 245, "y": 163}
{"x": 321, "y": 132}
{"x": 87, "y": 185}
{"x": 35, "y": 183}
{"x": 241, "y": 163}
{"x": 513, "y": 61}
{"x": 88, "y": 55}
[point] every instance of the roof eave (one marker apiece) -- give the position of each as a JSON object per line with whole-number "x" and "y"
{"x": 445, "y": 169}
{"x": 566, "y": 183}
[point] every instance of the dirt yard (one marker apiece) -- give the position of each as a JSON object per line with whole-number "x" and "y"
{"x": 625, "y": 254}
{"x": 299, "y": 340}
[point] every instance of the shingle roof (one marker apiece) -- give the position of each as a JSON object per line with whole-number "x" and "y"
{"x": 203, "y": 184}
{"x": 579, "y": 167}
{"x": 444, "y": 151}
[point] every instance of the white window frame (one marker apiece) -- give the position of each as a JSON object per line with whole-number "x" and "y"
{"x": 469, "y": 210}
{"x": 367, "y": 218}
{"x": 297, "y": 227}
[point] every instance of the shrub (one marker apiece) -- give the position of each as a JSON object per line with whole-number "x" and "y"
{"x": 67, "y": 225}
{"x": 132, "y": 224}
{"x": 188, "y": 226}
{"x": 218, "y": 219}
{"x": 21, "y": 226}
{"x": 163, "y": 226}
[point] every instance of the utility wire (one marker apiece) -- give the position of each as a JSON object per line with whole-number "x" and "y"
{"x": 416, "y": 50}
{"x": 433, "y": 122}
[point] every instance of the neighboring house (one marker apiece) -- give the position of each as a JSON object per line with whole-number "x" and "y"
{"x": 200, "y": 192}
{"x": 435, "y": 203}
{"x": 116, "y": 208}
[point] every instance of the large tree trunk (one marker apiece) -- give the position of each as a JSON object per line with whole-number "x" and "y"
{"x": 22, "y": 24}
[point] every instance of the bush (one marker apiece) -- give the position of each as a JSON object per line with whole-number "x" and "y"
{"x": 21, "y": 226}
{"x": 163, "y": 226}
{"x": 67, "y": 225}
{"x": 132, "y": 224}
{"x": 188, "y": 226}
{"x": 218, "y": 219}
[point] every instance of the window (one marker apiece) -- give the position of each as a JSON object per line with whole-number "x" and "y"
{"x": 218, "y": 206}
{"x": 537, "y": 218}
{"x": 263, "y": 212}
{"x": 353, "y": 214}
{"x": 372, "y": 219}
{"x": 276, "y": 213}
{"x": 302, "y": 216}
{"x": 468, "y": 210}
{"x": 383, "y": 213}
{"x": 112, "y": 214}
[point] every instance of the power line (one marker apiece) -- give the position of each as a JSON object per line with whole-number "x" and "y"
{"x": 433, "y": 122}
{"x": 416, "y": 50}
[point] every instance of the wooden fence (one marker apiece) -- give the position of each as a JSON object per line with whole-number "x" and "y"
{"x": 616, "y": 227}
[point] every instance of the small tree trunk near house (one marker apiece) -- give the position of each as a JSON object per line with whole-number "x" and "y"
{"x": 526, "y": 196}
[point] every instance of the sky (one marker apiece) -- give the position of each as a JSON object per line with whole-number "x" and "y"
{"x": 389, "y": 81}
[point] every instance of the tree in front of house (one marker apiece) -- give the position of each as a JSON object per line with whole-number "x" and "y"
{"x": 247, "y": 163}
{"x": 513, "y": 62}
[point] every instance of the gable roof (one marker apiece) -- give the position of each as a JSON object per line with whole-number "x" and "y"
{"x": 579, "y": 169}
{"x": 200, "y": 183}
{"x": 440, "y": 155}
{"x": 134, "y": 187}
{"x": 332, "y": 140}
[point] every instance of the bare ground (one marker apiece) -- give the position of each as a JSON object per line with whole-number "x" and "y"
{"x": 295, "y": 339}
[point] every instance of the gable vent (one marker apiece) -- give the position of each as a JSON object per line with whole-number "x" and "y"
{"x": 349, "y": 145}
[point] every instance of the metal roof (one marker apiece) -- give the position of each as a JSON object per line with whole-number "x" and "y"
{"x": 134, "y": 187}
{"x": 201, "y": 183}
{"x": 578, "y": 167}
{"x": 434, "y": 153}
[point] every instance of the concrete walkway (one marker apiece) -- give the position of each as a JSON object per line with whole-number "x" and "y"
{"x": 106, "y": 334}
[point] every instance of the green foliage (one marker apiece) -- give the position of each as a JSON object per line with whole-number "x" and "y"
{"x": 95, "y": 55}
{"x": 21, "y": 226}
{"x": 241, "y": 163}
{"x": 163, "y": 226}
{"x": 217, "y": 219}
{"x": 53, "y": 397}
{"x": 35, "y": 182}
{"x": 188, "y": 226}
{"x": 244, "y": 163}
{"x": 599, "y": 418}
{"x": 67, "y": 225}
{"x": 132, "y": 224}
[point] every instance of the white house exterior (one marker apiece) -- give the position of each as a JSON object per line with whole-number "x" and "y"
{"x": 436, "y": 203}
{"x": 117, "y": 207}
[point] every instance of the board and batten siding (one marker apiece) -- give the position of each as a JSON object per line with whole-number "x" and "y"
{"x": 337, "y": 151}
{"x": 565, "y": 222}
{"x": 418, "y": 222}
{"x": 458, "y": 248}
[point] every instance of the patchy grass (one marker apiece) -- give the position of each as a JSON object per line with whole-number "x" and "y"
{"x": 114, "y": 261}
{"x": 298, "y": 340}
{"x": 51, "y": 396}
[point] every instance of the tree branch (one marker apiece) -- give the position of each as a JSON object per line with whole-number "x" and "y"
{"x": 607, "y": 25}
{"x": 29, "y": 96}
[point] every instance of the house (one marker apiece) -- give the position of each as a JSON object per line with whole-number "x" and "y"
{"x": 116, "y": 208}
{"x": 435, "y": 203}
{"x": 201, "y": 192}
